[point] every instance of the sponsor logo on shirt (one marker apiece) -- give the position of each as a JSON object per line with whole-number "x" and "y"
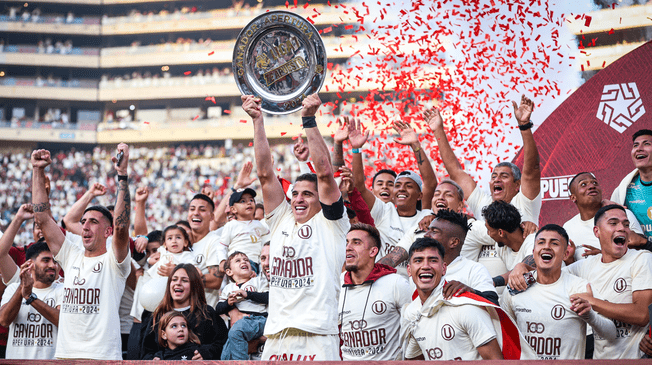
{"x": 558, "y": 312}
{"x": 620, "y": 285}
{"x": 523, "y": 310}
{"x": 640, "y": 201}
{"x": 447, "y": 332}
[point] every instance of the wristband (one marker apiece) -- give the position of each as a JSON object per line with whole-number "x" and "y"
{"x": 123, "y": 177}
{"x": 526, "y": 126}
{"x": 499, "y": 281}
{"x": 140, "y": 235}
{"x": 309, "y": 122}
{"x": 355, "y": 150}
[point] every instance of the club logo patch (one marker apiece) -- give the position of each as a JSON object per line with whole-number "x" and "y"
{"x": 447, "y": 332}
{"x": 305, "y": 232}
{"x": 558, "y": 312}
{"x": 620, "y": 285}
{"x": 379, "y": 307}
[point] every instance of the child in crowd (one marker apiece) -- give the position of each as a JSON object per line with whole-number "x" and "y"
{"x": 177, "y": 251}
{"x": 249, "y": 296}
{"x": 244, "y": 233}
{"x": 179, "y": 342}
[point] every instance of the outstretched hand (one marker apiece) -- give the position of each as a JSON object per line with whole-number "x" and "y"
{"x": 244, "y": 178}
{"x": 433, "y": 118}
{"x": 342, "y": 132}
{"x": 407, "y": 135}
{"x": 123, "y": 168}
{"x": 523, "y": 111}
{"x": 356, "y": 137}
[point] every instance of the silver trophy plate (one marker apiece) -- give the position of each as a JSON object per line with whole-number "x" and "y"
{"x": 280, "y": 58}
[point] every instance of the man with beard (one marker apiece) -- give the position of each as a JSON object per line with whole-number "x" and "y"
{"x": 586, "y": 193}
{"x": 624, "y": 278}
{"x": 370, "y": 301}
{"x": 549, "y": 313}
{"x": 31, "y": 308}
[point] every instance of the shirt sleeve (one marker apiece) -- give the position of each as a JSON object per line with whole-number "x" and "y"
{"x": 14, "y": 279}
{"x": 402, "y": 292}
{"x": 478, "y": 326}
{"x": 642, "y": 271}
{"x": 634, "y": 224}
{"x": 9, "y": 292}
{"x": 214, "y": 252}
{"x": 412, "y": 349}
{"x": 506, "y": 304}
{"x": 478, "y": 200}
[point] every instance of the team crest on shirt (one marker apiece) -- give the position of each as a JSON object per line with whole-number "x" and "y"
{"x": 305, "y": 232}
{"x": 558, "y": 312}
{"x": 33, "y": 317}
{"x": 447, "y": 332}
{"x": 379, "y": 307}
{"x": 620, "y": 285}
{"x": 249, "y": 288}
{"x": 49, "y": 301}
{"x": 199, "y": 259}
{"x": 97, "y": 268}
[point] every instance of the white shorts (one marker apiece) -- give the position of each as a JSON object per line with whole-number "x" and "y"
{"x": 292, "y": 344}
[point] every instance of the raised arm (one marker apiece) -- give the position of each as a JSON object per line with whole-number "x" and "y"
{"x": 455, "y": 170}
{"x": 41, "y": 202}
{"x": 341, "y": 135}
{"x": 122, "y": 213}
{"x": 409, "y": 137}
{"x": 273, "y": 194}
{"x": 7, "y": 265}
{"x": 357, "y": 140}
{"x": 329, "y": 192}
{"x": 74, "y": 215}
{"x": 531, "y": 177}
{"x": 140, "y": 219}
{"x": 243, "y": 180}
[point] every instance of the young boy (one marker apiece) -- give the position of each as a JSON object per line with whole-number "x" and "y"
{"x": 244, "y": 233}
{"x": 249, "y": 296}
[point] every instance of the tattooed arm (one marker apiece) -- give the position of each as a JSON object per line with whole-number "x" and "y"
{"x": 41, "y": 202}
{"x": 213, "y": 280}
{"x": 394, "y": 257}
{"x": 122, "y": 212}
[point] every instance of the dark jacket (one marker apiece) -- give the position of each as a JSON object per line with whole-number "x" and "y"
{"x": 183, "y": 352}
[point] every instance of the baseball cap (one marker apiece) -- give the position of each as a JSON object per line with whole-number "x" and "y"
{"x": 411, "y": 175}
{"x": 237, "y": 195}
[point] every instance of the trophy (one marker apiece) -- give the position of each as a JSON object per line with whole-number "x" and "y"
{"x": 280, "y": 58}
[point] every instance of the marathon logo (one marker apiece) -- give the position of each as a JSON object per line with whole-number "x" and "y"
{"x": 555, "y": 188}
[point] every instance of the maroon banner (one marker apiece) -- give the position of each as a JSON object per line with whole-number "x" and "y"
{"x": 592, "y": 131}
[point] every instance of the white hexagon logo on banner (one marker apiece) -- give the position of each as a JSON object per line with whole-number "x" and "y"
{"x": 620, "y": 106}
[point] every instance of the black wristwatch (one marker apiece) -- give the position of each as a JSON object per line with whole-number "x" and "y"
{"x": 32, "y": 297}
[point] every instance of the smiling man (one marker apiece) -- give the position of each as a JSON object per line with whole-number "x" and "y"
{"x": 549, "y": 313}
{"x": 624, "y": 278}
{"x": 307, "y": 247}
{"x": 371, "y": 300}
{"x": 433, "y": 330}
{"x": 89, "y": 323}
{"x": 586, "y": 193}
{"x": 635, "y": 191}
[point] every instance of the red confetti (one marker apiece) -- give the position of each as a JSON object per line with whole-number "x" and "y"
{"x": 211, "y": 53}
{"x": 195, "y": 118}
{"x": 251, "y": 144}
{"x": 243, "y": 121}
{"x": 587, "y": 21}
{"x": 283, "y": 133}
{"x": 207, "y": 181}
{"x": 146, "y": 122}
{"x": 328, "y": 30}
{"x": 227, "y": 111}
{"x": 187, "y": 73}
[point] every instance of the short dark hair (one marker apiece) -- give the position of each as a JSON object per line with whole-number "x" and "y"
{"x": 605, "y": 209}
{"x": 111, "y": 208}
{"x": 641, "y": 132}
{"x": 455, "y": 218}
{"x": 227, "y": 264}
{"x": 384, "y": 171}
{"x": 183, "y": 233}
{"x": 553, "y": 228}
{"x": 309, "y": 176}
{"x": 423, "y": 243}
{"x": 260, "y": 206}
{"x": 183, "y": 223}
{"x": 155, "y": 236}
{"x": 570, "y": 183}
{"x": 105, "y": 212}
{"x": 502, "y": 215}
{"x": 35, "y": 249}
{"x": 371, "y": 231}
{"x": 205, "y": 198}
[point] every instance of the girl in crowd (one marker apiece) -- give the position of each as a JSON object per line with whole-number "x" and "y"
{"x": 185, "y": 294}
{"x": 178, "y": 342}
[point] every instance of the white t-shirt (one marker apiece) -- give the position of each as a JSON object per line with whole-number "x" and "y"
{"x": 207, "y": 254}
{"x": 529, "y": 209}
{"x": 511, "y": 258}
{"x": 453, "y": 333}
{"x": 89, "y": 324}
{"x": 244, "y": 236}
{"x": 183, "y": 257}
{"x": 543, "y": 315}
{"x": 370, "y": 315}
{"x": 305, "y": 265}
{"x": 31, "y": 335}
{"x": 470, "y": 273}
{"x": 257, "y": 285}
{"x": 389, "y": 226}
{"x": 581, "y": 232}
{"x": 616, "y": 281}
{"x": 478, "y": 246}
